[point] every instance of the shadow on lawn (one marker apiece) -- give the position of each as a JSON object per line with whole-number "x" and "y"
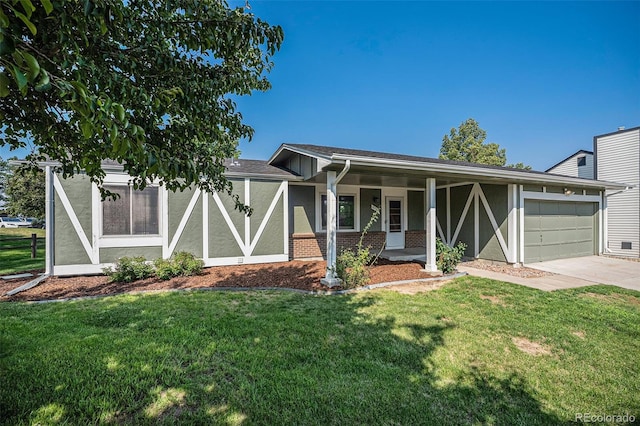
{"x": 266, "y": 358}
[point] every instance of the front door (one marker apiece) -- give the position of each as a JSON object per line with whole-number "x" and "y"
{"x": 394, "y": 222}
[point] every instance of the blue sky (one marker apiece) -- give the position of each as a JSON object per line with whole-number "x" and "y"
{"x": 542, "y": 78}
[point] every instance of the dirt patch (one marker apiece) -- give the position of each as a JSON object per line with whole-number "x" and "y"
{"x": 415, "y": 287}
{"x": 532, "y": 348}
{"x": 493, "y": 299}
{"x": 579, "y": 334}
{"x": 614, "y": 298}
{"x": 303, "y": 275}
{"x": 521, "y": 271}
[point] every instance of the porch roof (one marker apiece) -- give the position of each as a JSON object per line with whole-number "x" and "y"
{"x": 375, "y": 168}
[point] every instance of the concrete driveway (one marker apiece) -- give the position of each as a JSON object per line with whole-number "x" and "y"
{"x": 597, "y": 269}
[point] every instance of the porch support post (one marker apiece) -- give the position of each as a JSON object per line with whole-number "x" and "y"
{"x": 512, "y": 224}
{"x": 330, "y": 279}
{"x": 430, "y": 210}
{"x": 49, "y": 210}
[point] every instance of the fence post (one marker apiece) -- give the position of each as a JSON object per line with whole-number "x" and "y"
{"x": 34, "y": 241}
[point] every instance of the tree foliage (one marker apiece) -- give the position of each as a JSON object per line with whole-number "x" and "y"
{"x": 145, "y": 83}
{"x": 26, "y": 193}
{"x": 4, "y": 173}
{"x": 467, "y": 143}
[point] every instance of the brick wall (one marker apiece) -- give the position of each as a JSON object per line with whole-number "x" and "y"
{"x": 415, "y": 238}
{"x": 304, "y": 246}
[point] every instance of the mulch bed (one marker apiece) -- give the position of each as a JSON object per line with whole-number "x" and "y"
{"x": 303, "y": 275}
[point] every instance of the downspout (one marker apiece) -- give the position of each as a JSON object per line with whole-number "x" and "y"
{"x": 331, "y": 279}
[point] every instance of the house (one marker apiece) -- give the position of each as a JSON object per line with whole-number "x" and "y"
{"x": 616, "y": 158}
{"x": 309, "y": 201}
{"x": 579, "y": 164}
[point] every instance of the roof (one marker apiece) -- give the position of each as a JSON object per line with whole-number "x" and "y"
{"x": 364, "y": 158}
{"x": 256, "y": 168}
{"x": 582, "y": 151}
{"x": 616, "y": 132}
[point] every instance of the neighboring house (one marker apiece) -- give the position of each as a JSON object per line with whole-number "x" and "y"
{"x": 615, "y": 158}
{"x": 310, "y": 201}
{"x": 579, "y": 164}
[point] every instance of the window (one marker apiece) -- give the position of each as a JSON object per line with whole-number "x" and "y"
{"x": 346, "y": 211}
{"x": 133, "y": 213}
{"x": 582, "y": 161}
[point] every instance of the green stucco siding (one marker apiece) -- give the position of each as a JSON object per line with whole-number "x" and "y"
{"x": 178, "y": 202}
{"x": 261, "y": 195}
{"x": 68, "y": 249}
{"x": 367, "y": 198}
{"x": 78, "y": 191}
{"x": 191, "y": 238}
{"x": 458, "y": 197}
{"x": 236, "y": 216}
{"x": 221, "y": 240}
{"x": 497, "y": 198}
{"x": 272, "y": 239}
{"x": 415, "y": 210}
{"x": 112, "y": 254}
{"x": 302, "y": 209}
{"x": 441, "y": 209}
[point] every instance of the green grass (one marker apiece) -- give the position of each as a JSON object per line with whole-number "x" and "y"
{"x": 443, "y": 357}
{"x": 19, "y": 259}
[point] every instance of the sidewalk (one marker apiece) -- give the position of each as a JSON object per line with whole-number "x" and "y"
{"x": 547, "y": 283}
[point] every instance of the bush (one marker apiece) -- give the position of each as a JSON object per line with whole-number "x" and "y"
{"x": 128, "y": 269}
{"x": 180, "y": 264}
{"x": 447, "y": 258}
{"x": 351, "y": 267}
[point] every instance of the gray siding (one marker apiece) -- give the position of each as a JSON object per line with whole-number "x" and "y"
{"x": 569, "y": 167}
{"x": 415, "y": 210}
{"x": 367, "y": 197}
{"x": 618, "y": 160}
{"x": 302, "y": 211}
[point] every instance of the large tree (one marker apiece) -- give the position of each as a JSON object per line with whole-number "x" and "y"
{"x": 146, "y": 83}
{"x": 467, "y": 143}
{"x": 25, "y": 193}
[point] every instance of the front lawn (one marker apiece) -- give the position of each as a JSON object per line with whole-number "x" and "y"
{"x": 474, "y": 351}
{"x": 15, "y": 254}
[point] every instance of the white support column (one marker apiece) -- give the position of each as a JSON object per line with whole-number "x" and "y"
{"x": 331, "y": 279}
{"x": 521, "y": 225}
{"x": 512, "y": 222}
{"x": 49, "y": 209}
{"x": 476, "y": 221}
{"x": 430, "y": 210}
{"x": 603, "y": 245}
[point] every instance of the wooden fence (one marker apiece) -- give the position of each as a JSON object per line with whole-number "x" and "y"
{"x": 16, "y": 243}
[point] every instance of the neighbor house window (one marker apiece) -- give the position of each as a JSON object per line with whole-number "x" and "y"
{"x": 582, "y": 161}
{"x": 133, "y": 213}
{"x": 346, "y": 211}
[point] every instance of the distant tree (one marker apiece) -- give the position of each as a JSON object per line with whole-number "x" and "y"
{"x": 4, "y": 171}
{"x": 467, "y": 143}
{"x": 519, "y": 166}
{"x": 149, "y": 84}
{"x": 25, "y": 193}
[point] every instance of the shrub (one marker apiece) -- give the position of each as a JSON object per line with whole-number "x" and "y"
{"x": 352, "y": 266}
{"x": 447, "y": 258}
{"x": 180, "y": 264}
{"x": 128, "y": 269}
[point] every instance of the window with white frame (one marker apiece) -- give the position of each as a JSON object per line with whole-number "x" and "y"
{"x": 134, "y": 212}
{"x": 345, "y": 214}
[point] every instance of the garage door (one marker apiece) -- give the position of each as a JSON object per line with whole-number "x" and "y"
{"x": 558, "y": 229}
